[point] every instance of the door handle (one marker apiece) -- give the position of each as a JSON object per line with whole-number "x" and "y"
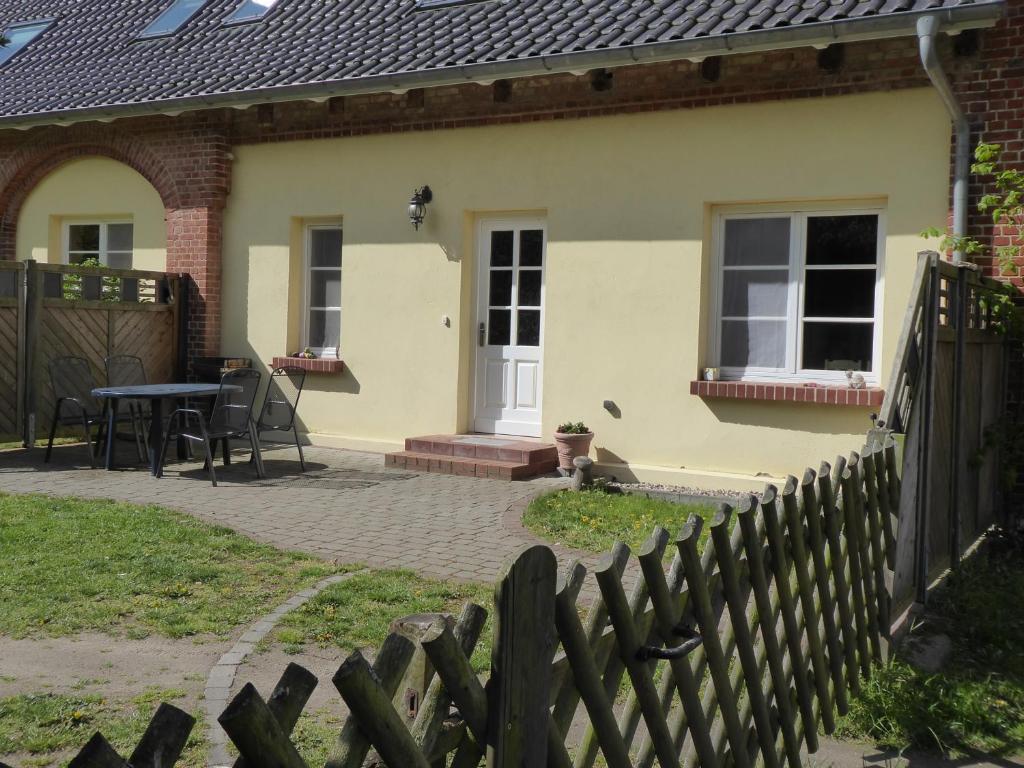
{"x": 482, "y": 334}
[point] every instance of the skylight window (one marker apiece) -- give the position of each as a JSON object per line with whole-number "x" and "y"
{"x": 172, "y": 19}
{"x": 251, "y": 10}
{"x": 20, "y": 35}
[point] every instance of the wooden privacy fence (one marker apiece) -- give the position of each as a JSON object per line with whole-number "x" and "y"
{"x": 946, "y": 399}
{"x": 12, "y": 346}
{"x": 53, "y": 310}
{"x": 727, "y": 650}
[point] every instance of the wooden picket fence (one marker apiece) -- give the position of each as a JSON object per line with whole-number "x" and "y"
{"x": 736, "y": 647}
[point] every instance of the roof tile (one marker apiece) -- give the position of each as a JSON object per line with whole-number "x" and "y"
{"x": 92, "y": 57}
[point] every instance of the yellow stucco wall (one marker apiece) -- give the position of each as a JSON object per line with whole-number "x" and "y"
{"x": 628, "y": 204}
{"x": 93, "y": 189}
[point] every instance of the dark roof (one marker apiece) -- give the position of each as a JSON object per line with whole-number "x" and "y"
{"x": 91, "y": 60}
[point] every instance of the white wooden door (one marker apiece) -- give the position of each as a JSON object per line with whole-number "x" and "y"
{"x": 510, "y": 326}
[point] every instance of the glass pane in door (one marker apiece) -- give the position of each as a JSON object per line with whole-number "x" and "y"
{"x": 499, "y": 330}
{"x": 528, "y": 330}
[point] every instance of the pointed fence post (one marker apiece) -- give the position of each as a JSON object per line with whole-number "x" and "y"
{"x": 519, "y": 690}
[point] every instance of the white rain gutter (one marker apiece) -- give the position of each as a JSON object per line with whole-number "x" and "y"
{"x": 927, "y": 30}
{"x": 818, "y": 35}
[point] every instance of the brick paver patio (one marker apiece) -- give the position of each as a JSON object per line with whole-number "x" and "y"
{"x": 348, "y": 507}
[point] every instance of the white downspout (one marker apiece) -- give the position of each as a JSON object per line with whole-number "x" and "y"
{"x": 927, "y": 30}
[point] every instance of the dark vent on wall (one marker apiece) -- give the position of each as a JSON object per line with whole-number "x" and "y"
{"x": 601, "y": 80}
{"x": 265, "y": 115}
{"x": 711, "y": 69}
{"x": 830, "y": 59}
{"x": 966, "y": 43}
{"x": 502, "y": 91}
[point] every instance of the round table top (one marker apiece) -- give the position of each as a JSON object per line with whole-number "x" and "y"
{"x": 154, "y": 391}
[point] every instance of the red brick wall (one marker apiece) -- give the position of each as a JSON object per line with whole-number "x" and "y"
{"x": 991, "y": 88}
{"x": 188, "y": 160}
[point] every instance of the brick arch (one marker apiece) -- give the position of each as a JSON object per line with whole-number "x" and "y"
{"x": 26, "y": 168}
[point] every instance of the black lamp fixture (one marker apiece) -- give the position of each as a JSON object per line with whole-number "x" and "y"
{"x": 418, "y": 205}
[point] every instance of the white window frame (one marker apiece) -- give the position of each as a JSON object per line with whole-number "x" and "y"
{"x": 104, "y": 251}
{"x": 307, "y": 271}
{"x": 798, "y": 216}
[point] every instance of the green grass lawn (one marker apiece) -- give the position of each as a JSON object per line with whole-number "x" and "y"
{"x": 50, "y": 727}
{"x": 356, "y": 613}
{"x": 976, "y": 704}
{"x": 594, "y": 520}
{"x": 73, "y": 565}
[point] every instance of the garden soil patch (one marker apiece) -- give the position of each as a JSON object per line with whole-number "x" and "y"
{"x": 115, "y": 667}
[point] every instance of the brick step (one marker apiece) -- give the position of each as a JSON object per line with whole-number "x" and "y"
{"x": 483, "y": 448}
{"x": 469, "y": 466}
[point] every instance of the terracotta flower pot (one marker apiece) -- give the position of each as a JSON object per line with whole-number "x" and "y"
{"x": 570, "y": 446}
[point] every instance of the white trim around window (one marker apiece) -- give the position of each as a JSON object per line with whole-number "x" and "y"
{"x": 110, "y": 241}
{"x": 322, "y": 275}
{"x": 777, "y": 257}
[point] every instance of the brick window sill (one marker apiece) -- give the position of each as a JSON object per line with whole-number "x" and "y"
{"x": 310, "y": 365}
{"x": 789, "y": 393}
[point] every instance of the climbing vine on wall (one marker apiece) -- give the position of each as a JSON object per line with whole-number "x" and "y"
{"x": 1005, "y": 204}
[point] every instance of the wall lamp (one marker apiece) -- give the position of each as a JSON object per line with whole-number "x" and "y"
{"x": 418, "y": 205}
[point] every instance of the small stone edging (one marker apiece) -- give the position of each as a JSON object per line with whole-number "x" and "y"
{"x": 681, "y": 497}
{"x": 222, "y": 675}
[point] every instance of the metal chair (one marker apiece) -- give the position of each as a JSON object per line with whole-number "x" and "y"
{"x": 128, "y": 371}
{"x": 278, "y": 413}
{"x": 230, "y": 418}
{"x": 73, "y": 383}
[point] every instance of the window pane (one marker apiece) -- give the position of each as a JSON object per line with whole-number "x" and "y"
{"x": 501, "y": 249}
{"x": 842, "y": 239}
{"x": 19, "y": 36}
{"x": 325, "y": 245}
{"x": 84, "y": 237}
{"x": 499, "y": 323}
{"x": 324, "y": 328}
{"x": 756, "y": 292}
{"x": 78, "y": 258}
{"x": 252, "y": 9}
{"x": 528, "y": 329}
{"x": 325, "y": 288}
{"x": 119, "y": 237}
{"x": 531, "y": 247}
{"x": 501, "y": 288}
{"x": 839, "y": 293}
{"x": 757, "y": 242}
{"x": 529, "y": 288}
{"x": 177, "y": 14}
{"x": 754, "y": 343}
{"x": 838, "y": 346}
{"x": 119, "y": 260}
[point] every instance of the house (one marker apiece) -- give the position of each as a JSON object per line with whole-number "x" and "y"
{"x": 615, "y": 196}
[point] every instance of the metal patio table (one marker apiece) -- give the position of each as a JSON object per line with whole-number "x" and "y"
{"x": 156, "y": 394}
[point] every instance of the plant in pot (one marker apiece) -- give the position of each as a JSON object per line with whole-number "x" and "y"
{"x": 572, "y": 439}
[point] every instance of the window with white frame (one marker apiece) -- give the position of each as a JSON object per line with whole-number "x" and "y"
{"x": 108, "y": 242}
{"x": 322, "y": 331}
{"x": 797, "y": 293}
